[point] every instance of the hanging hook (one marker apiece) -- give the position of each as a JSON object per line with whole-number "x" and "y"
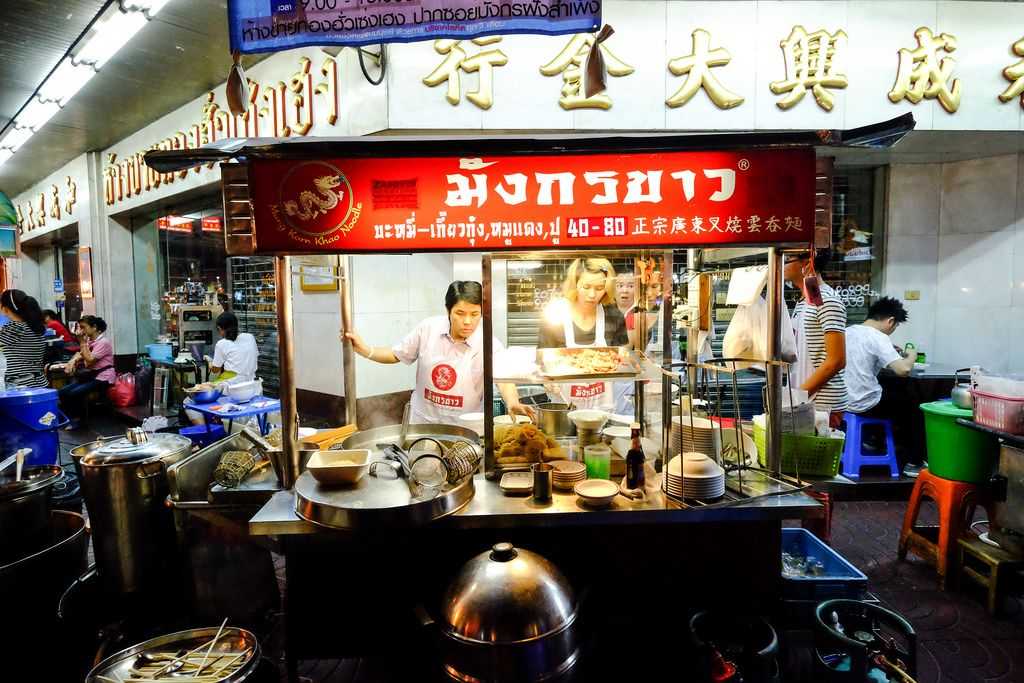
{"x": 380, "y": 59}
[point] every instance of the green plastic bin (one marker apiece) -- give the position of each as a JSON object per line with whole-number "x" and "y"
{"x": 954, "y": 451}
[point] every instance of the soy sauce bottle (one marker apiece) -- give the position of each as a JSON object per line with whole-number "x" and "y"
{"x": 635, "y": 460}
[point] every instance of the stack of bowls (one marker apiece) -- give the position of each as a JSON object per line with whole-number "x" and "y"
{"x": 567, "y": 474}
{"x": 694, "y": 475}
{"x": 692, "y": 434}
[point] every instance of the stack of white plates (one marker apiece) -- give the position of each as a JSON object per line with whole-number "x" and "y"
{"x": 692, "y": 434}
{"x": 567, "y": 474}
{"x": 704, "y": 478}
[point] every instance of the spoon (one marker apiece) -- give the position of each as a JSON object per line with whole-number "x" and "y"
{"x": 152, "y": 658}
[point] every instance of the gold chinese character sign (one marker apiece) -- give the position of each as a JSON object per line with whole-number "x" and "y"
{"x": 922, "y": 74}
{"x": 569, "y": 63}
{"x": 812, "y": 61}
{"x": 1015, "y": 74}
{"x": 697, "y": 67}
{"x": 458, "y": 60}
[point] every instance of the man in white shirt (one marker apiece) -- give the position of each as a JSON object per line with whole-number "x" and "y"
{"x": 869, "y": 351}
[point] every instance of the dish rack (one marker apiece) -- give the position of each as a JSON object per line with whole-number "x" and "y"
{"x": 744, "y": 481}
{"x": 999, "y": 412}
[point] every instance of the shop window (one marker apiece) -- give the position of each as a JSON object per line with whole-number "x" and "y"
{"x": 181, "y": 267}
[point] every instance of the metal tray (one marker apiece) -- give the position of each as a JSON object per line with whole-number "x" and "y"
{"x": 377, "y": 502}
{"x": 118, "y": 667}
{"x": 628, "y": 368}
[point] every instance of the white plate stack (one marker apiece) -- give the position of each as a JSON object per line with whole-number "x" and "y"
{"x": 567, "y": 474}
{"x": 692, "y": 435}
{"x": 704, "y": 478}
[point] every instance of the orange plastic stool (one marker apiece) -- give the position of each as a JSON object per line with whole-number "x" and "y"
{"x": 956, "y": 501}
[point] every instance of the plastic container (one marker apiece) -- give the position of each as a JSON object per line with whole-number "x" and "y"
{"x": 598, "y": 459}
{"x": 29, "y": 418}
{"x": 815, "y": 456}
{"x": 954, "y": 451}
{"x": 203, "y": 435}
{"x": 838, "y": 579}
{"x": 999, "y": 412}
{"x": 160, "y": 352}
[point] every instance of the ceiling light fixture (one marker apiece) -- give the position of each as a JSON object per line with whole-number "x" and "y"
{"x": 108, "y": 32}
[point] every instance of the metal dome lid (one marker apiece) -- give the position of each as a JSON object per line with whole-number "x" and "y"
{"x": 508, "y": 595}
{"x": 137, "y": 446}
{"x": 33, "y": 478}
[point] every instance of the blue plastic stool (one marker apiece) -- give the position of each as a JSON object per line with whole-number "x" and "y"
{"x": 853, "y": 456}
{"x": 203, "y": 435}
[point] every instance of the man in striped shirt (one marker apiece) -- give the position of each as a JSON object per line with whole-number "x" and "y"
{"x": 821, "y": 336}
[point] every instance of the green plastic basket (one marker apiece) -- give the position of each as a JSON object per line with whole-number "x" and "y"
{"x": 814, "y": 456}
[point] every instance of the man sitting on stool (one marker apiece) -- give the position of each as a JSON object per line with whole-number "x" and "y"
{"x": 868, "y": 351}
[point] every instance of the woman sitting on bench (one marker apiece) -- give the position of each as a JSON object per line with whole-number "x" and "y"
{"x": 92, "y": 368}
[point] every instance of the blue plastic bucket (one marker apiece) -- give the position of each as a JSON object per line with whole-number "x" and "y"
{"x": 29, "y": 418}
{"x": 160, "y": 351}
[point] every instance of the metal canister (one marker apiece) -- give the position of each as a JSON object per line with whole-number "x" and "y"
{"x": 543, "y": 481}
{"x": 124, "y": 482}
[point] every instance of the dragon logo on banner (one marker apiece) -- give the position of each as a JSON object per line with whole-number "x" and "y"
{"x": 315, "y": 200}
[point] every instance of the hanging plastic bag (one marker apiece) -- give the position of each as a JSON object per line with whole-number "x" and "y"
{"x": 747, "y": 335}
{"x": 122, "y": 394}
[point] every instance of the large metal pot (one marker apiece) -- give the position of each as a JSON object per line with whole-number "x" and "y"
{"x": 125, "y": 485}
{"x": 509, "y": 615}
{"x": 25, "y": 510}
{"x": 553, "y": 419}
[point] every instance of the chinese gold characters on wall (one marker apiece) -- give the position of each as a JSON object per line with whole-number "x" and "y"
{"x": 569, "y": 62}
{"x": 697, "y": 67}
{"x": 457, "y": 60}
{"x": 1015, "y": 74}
{"x": 812, "y": 61}
{"x": 32, "y": 214}
{"x": 923, "y": 74}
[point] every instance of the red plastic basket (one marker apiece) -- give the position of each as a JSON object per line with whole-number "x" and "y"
{"x": 999, "y": 412}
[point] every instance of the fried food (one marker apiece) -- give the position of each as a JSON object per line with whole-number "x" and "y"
{"x": 522, "y": 443}
{"x": 583, "y": 361}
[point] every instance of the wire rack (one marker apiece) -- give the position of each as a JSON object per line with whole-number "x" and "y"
{"x": 744, "y": 480}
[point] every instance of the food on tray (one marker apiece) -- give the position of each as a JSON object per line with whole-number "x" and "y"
{"x": 524, "y": 443}
{"x": 275, "y": 438}
{"x": 594, "y": 361}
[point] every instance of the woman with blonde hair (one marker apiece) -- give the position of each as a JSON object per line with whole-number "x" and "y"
{"x": 587, "y": 316}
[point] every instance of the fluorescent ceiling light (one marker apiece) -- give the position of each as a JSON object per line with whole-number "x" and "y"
{"x": 150, "y": 7}
{"x": 66, "y": 80}
{"x": 109, "y": 37}
{"x": 36, "y": 113}
{"x": 5, "y": 154}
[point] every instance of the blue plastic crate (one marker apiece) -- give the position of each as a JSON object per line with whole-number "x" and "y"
{"x": 840, "y": 580}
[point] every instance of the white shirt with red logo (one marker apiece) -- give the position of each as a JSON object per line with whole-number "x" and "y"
{"x": 597, "y": 394}
{"x": 449, "y": 374}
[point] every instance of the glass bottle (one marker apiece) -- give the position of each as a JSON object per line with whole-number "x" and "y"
{"x": 635, "y": 460}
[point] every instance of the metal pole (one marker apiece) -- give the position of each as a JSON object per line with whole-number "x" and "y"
{"x": 348, "y": 354}
{"x": 486, "y": 308}
{"x": 667, "y": 343}
{"x": 694, "y": 262}
{"x": 285, "y": 358}
{"x": 773, "y": 440}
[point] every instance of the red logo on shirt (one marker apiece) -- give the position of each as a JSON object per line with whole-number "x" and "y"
{"x": 443, "y": 377}
{"x": 586, "y": 390}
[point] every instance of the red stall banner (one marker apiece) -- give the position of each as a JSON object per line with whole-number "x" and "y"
{"x": 533, "y": 202}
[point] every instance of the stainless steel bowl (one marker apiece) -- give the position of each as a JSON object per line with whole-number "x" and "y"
{"x": 204, "y": 395}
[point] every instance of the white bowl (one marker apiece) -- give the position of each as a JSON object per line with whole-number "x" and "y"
{"x": 243, "y": 392}
{"x": 474, "y": 421}
{"x": 617, "y": 432}
{"x": 698, "y": 466}
{"x": 622, "y": 419}
{"x": 305, "y": 432}
{"x": 597, "y": 492}
{"x": 335, "y": 468}
{"x": 588, "y": 418}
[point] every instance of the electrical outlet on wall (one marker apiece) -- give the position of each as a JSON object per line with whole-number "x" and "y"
{"x": 912, "y": 295}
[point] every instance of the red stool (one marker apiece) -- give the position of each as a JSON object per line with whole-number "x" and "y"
{"x": 957, "y": 501}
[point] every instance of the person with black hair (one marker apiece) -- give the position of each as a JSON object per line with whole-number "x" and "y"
{"x": 869, "y": 351}
{"x": 53, "y": 322}
{"x": 448, "y": 352}
{"x": 819, "y": 322}
{"x": 92, "y": 368}
{"x": 236, "y": 354}
{"x": 21, "y": 340}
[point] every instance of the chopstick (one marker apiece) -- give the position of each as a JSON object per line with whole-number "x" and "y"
{"x": 214, "y": 642}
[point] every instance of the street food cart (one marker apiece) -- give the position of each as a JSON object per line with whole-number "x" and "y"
{"x": 359, "y": 560}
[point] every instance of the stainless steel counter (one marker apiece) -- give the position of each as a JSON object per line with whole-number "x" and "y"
{"x": 490, "y": 508}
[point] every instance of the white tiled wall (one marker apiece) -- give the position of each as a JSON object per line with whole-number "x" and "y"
{"x": 955, "y": 233}
{"x": 390, "y": 294}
